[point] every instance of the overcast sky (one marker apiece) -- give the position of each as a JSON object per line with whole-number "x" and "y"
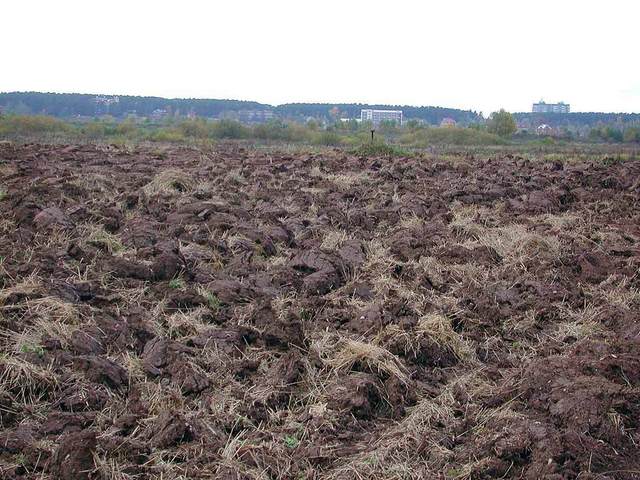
{"x": 479, "y": 55}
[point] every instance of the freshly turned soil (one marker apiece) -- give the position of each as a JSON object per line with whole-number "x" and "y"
{"x": 317, "y": 315}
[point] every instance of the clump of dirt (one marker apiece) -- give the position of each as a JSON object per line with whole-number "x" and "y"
{"x": 235, "y": 313}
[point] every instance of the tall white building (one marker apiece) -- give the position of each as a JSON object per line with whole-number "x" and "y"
{"x": 377, "y": 116}
{"x": 542, "y": 107}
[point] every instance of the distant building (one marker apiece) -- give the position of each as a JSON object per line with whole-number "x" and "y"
{"x": 256, "y": 116}
{"x": 448, "y": 122}
{"x": 542, "y": 107}
{"x": 546, "y": 130}
{"x": 377, "y": 116}
{"x": 159, "y": 114}
{"x": 248, "y": 116}
{"x": 103, "y": 104}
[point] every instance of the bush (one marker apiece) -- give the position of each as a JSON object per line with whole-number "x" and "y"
{"x": 299, "y": 133}
{"x": 167, "y": 135}
{"x": 502, "y": 123}
{"x": 606, "y": 134}
{"x": 229, "y": 129}
{"x": 632, "y": 134}
{"x": 27, "y": 124}
{"x": 327, "y": 139}
{"x": 194, "y": 128}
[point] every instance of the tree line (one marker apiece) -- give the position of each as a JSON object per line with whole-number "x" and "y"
{"x": 66, "y": 105}
{"x": 576, "y": 119}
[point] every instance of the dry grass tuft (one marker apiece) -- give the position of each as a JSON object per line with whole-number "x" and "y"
{"x": 98, "y": 237}
{"x": 439, "y": 329}
{"x": 111, "y": 468}
{"x": 28, "y": 382}
{"x": 53, "y": 309}
{"x": 562, "y": 221}
{"x": 98, "y": 185}
{"x": 376, "y": 359}
{"x": 379, "y": 260}
{"x": 169, "y": 182}
{"x": 236, "y": 177}
{"x": 469, "y": 220}
{"x": 580, "y": 324}
{"x": 516, "y": 245}
{"x": 333, "y": 240}
{"x": 411, "y": 222}
{"x": 201, "y": 255}
{"x": 28, "y": 286}
{"x": 344, "y": 181}
{"x": 410, "y": 449}
{"x": 434, "y": 327}
{"x": 617, "y": 291}
{"x": 54, "y": 238}
{"x": 184, "y": 323}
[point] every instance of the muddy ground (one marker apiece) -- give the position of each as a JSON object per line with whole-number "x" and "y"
{"x": 236, "y": 314}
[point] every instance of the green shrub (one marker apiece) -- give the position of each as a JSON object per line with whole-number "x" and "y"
{"x": 167, "y": 135}
{"x": 327, "y": 138}
{"x": 194, "y": 128}
{"x": 229, "y": 129}
{"x": 449, "y": 136}
{"x": 632, "y": 134}
{"x": 95, "y": 129}
{"x": 127, "y": 128}
{"x": 502, "y": 123}
{"x": 272, "y": 130}
{"x": 28, "y": 124}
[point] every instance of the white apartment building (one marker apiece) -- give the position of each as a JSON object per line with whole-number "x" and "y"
{"x": 377, "y": 116}
{"x": 542, "y": 107}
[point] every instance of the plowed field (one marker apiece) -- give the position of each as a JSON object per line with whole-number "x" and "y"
{"x": 240, "y": 314}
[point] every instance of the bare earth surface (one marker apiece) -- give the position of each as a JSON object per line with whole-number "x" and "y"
{"x": 230, "y": 314}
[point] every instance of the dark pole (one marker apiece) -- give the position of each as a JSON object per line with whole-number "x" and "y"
{"x": 372, "y": 132}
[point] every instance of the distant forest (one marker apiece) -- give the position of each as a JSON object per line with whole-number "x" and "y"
{"x": 431, "y": 115}
{"x": 68, "y": 105}
{"x": 576, "y": 119}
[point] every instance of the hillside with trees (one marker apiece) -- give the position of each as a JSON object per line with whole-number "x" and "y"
{"x": 575, "y": 119}
{"x": 74, "y": 104}
{"x": 68, "y": 105}
{"x": 431, "y": 115}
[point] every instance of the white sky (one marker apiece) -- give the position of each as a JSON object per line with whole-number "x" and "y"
{"x": 476, "y": 54}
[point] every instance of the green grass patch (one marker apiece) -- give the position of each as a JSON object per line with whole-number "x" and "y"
{"x": 177, "y": 283}
{"x": 212, "y": 301}
{"x": 30, "y": 348}
{"x": 290, "y": 441}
